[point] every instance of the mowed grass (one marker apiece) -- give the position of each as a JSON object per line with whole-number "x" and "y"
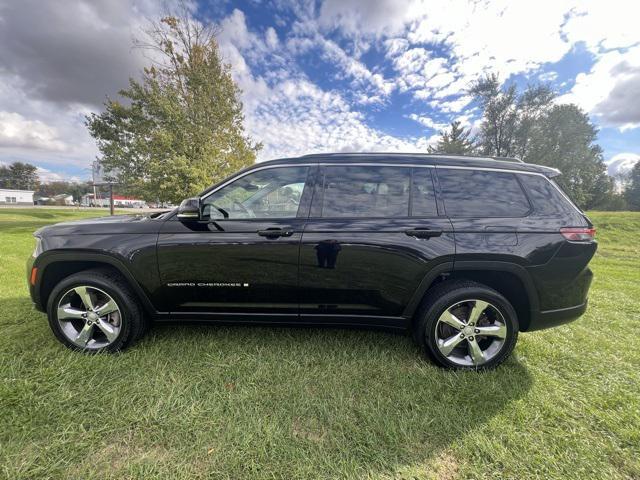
{"x": 244, "y": 402}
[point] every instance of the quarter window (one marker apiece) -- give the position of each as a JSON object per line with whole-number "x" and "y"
{"x": 481, "y": 193}
{"x": 366, "y": 191}
{"x": 270, "y": 193}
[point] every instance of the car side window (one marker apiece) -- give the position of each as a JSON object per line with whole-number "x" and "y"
{"x": 423, "y": 198}
{"x": 482, "y": 193}
{"x": 366, "y": 191}
{"x": 546, "y": 198}
{"x": 270, "y": 193}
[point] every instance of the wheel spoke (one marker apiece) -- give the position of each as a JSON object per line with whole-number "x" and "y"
{"x": 475, "y": 352}
{"x": 450, "y": 319}
{"x": 110, "y": 332}
{"x": 476, "y": 311}
{"x": 69, "y": 313}
{"x": 499, "y": 331}
{"x": 85, "y": 334}
{"x": 107, "y": 308}
{"x": 84, "y": 295}
{"x": 447, "y": 346}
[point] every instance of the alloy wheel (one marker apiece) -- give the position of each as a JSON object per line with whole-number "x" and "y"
{"x": 89, "y": 317}
{"x": 470, "y": 333}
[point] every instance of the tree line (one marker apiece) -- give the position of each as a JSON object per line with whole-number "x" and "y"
{"x": 24, "y": 176}
{"x": 530, "y": 126}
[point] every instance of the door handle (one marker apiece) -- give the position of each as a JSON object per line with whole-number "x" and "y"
{"x": 275, "y": 233}
{"x": 423, "y": 232}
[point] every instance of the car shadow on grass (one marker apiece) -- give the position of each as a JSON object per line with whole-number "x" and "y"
{"x": 243, "y": 402}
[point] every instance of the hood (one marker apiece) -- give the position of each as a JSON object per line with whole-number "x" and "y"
{"x": 116, "y": 224}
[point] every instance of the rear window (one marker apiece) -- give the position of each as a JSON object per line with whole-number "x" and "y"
{"x": 545, "y": 197}
{"x": 482, "y": 193}
{"x": 366, "y": 191}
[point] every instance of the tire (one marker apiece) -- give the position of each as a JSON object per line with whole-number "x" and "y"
{"x": 481, "y": 344}
{"x": 111, "y": 332}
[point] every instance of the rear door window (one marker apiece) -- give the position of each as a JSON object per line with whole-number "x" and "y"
{"x": 482, "y": 193}
{"x": 366, "y": 191}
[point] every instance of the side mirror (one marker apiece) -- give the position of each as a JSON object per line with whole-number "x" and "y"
{"x": 189, "y": 209}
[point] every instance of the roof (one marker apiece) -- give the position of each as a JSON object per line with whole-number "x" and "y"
{"x": 15, "y": 190}
{"x": 504, "y": 163}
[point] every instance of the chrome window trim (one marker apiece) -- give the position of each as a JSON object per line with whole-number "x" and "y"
{"x": 373, "y": 164}
{"x": 252, "y": 171}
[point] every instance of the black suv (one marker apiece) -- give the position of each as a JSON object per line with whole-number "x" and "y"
{"x": 463, "y": 252}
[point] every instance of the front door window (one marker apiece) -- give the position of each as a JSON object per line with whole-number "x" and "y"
{"x": 266, "y": 194}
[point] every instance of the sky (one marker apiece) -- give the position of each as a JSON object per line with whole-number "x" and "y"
{"x": 324, "y": 75}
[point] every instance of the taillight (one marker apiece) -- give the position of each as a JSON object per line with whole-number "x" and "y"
{"x": 578, "y": 234}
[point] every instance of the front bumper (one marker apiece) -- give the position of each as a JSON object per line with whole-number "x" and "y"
{"x": 34, "y": 290}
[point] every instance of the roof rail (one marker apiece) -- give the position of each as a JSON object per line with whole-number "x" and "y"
{"x": 508, "y": 159}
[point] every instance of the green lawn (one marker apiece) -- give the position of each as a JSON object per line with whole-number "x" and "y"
{"x": 210, "y": 402}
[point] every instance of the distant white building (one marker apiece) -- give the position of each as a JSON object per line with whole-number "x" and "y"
{"x": 16, "y": 197}
{"x": 118, "y": 201}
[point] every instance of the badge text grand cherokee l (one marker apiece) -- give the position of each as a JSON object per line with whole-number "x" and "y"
{"x": 463, "y": 252}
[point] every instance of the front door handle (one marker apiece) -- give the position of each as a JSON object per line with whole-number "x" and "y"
{"x": 423, "y": 232}
{"x": 275, "y": 233}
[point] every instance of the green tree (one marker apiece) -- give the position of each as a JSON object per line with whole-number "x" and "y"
{"x": 455, "y": 141}
{"x": 70, "y": 188}
{"x": 20, "y": 176}
{"x": 530, "y": 126}
{"x": 632, "y": 193}
{"x": 181, "y": 127}
{"x": 564, "y": 138}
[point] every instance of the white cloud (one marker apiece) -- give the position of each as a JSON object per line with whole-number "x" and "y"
{"x": 19, "y": 132}
{"x": 610, "y": 90}
{"x": 622, "y": 163}
{"x": 427, "y": 122}
{"x": 271, "y": 38}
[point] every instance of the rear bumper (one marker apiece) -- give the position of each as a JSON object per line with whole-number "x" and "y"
{"x": 553, "y": 318}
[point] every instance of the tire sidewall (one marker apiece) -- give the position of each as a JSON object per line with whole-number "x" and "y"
{"x": 427, "y": 331}
{"x": 90, "y": 280}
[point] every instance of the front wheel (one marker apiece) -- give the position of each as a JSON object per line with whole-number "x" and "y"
{"x": 467, "y": 325}
{"x": 95, "y": 311}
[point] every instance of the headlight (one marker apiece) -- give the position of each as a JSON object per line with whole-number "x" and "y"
{"x": 38, "y": 250}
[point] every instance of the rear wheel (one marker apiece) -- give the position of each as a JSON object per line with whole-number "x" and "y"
{"x": 467, "y": 325}
{"x": 95, "y": 311}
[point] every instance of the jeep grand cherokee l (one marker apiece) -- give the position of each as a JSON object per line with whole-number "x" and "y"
{"x": 463, "y": 252}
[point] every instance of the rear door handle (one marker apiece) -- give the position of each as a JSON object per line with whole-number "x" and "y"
{"x": 275, "y": 233}
{"x": 423, "y": 232}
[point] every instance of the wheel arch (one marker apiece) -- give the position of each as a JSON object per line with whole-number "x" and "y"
{"x": 56, "y": 266}
{"x": 509, "y": 279}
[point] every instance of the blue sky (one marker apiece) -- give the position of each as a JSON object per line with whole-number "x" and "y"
{"x": 331, "y": 75}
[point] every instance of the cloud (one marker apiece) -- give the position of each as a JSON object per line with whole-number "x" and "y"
{"x": 610, "y": 90}
{"x": 428, "y": 122}
{"x": 71, "y": 51}
{"x": 380, "y": 17}
{"x": 622, "y": 163}
{"x": 17, "y": 131}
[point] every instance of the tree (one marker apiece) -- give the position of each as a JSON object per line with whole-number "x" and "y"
{"x": 508, "y": 117}
{"x": 457, "y": 141}
{"x": 564, "y": 138}
{"x": 19, "y": 176}
{"x": 632, "y": 193}
{"x": 51, "y": 189}
{"x": 180, "y": 127}
{"x": 530, "y": 126}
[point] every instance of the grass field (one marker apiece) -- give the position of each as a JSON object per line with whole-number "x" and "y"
{"x": 236, "y": 403}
